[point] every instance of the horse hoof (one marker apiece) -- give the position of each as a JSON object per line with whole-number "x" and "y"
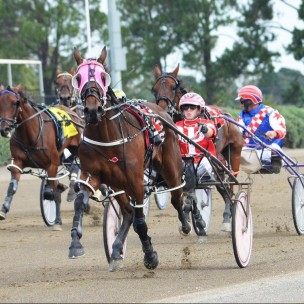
{"x": 115, "y": 265}
{"x": 184, "y": 230}
{"x": 57, "y": 227}
{"x": 75, "y": 253}
{"x": 151, "y": 261}
{"x": 2, "y": 215}
{"x": 226, "y": 227}
{"x": 71, "y": 196}
{"x": 201, "y": 232}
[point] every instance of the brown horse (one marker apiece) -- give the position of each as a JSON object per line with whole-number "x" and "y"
{"x": 115, "y": 151}
{"x": 168, "y": 90}
{"x": 37, "y": 142}
{"x": 68, "y": 96}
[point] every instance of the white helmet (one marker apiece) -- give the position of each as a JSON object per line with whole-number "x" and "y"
{"x": 192, "y": 98}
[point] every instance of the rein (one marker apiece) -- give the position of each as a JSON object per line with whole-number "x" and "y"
{"x": 118, "y": 141}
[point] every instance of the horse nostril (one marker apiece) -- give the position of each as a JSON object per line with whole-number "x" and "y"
{"x": 86, "y": 110}
{"x": 99, "y": 110}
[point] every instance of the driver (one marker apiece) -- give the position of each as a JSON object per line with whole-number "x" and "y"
{"x": 264, "y": 122}
{"x": 200, "y": 130}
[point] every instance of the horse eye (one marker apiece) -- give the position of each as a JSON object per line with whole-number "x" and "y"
{"x": 78, "y": 78}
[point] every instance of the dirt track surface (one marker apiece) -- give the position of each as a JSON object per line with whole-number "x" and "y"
{"x": 35, "y": 265}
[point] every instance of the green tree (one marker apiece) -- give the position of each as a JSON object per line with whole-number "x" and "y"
{"x": 199, "y": 25}
{"x": 46, "y": 31}
{"x": 149, "y": 36}
{"x": 296, "y": 46}
{"x": 250, "y": 57}
{"x": 154, "y": 29}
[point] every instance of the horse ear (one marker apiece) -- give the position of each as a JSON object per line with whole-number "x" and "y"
{"x": 58, "y": 71}
{"x": 78, "y": 79}
{"x": 103, "y": 55}
{"x": 175, "y": 72}
{"x": 157, "y": 71}
{"x": 77, "y": 56}
{"x": 184, "y": 91}
{"x": 18, "y": 88}
{"x": 73, "y": 71}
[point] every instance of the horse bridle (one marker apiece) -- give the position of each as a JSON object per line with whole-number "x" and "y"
{"x": 177, "y": 88}
{"x": 65, "y": 85}
{"x": 93, "y": 90}
{"x": 13, "y": 120}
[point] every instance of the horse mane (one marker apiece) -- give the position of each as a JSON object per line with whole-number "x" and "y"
{"x": 223, "y": 111}
{"x": 24, "y": 93}
{"x": 112, "y": 96}
{"x": 182, "y": 88}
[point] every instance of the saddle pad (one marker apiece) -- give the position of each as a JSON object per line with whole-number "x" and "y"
{"x": 69, "y": 128}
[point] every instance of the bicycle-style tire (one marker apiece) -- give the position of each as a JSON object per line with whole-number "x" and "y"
{"x": 161, "y": 199}
{"x": 298, "y": 205}
{"x": 111, "y": 226}
{"x": 47, "y": 207}
{"x": 242, "y": 229}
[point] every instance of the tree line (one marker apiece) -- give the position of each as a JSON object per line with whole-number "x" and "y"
{"x": 151, "y": 31}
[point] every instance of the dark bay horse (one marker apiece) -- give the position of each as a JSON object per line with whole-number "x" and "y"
{"x": 38, "y": 141}
{"x": 168, "y": 90}
{"x": 68, "y": 96}
{"x": 115, "y": 151}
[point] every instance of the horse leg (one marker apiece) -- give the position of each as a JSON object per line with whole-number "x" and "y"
{"x": 183, "y": 208}
{"x": 12, "y": 188}
{"x": 117, "y": 247}
{"x": 140, "y": 227}
{"x": 74, "y": 174}
{"x": 226, "y": 224}
{"x": 82, "y": 200}
{"x": 58, "y": 222}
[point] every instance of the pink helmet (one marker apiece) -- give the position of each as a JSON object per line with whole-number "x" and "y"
{"x": 250, "y": 92}
{"x": 192, "y": 98}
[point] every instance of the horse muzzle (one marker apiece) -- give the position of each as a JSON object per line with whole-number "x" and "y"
{"x": 5, "y": 132}
{"x": 66, "y": 101}
{"x": 93, "y": 115}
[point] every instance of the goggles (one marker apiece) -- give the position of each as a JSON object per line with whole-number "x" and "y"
{"x": 188, "y": 106}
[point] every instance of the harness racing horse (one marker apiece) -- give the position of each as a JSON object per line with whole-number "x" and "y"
{"x": 38, "y": 141}
{"x": 168, "y": 90}
{"x": 115, "y": 151}
{"x": 68, "y": 96}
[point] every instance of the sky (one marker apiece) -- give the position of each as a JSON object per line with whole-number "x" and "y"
{"x": 284, "y": 15}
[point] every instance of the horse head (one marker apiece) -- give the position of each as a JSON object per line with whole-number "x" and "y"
{"x": 92, "y": 82}
{"x": 167, "y": 89}
{"x": 64, "y": 88}
{"x": 10, "y": 107}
